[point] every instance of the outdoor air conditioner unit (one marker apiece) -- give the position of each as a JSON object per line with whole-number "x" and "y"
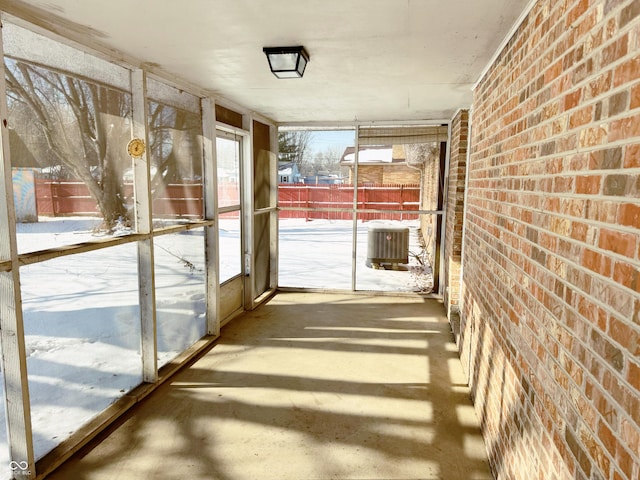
{"x": 387, "y": 244}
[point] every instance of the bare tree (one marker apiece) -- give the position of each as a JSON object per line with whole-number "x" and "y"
{"x": 174, "y": 144}
{"x": 292, "y": 146}
{"x": 80, "y": 128}
{"x": 328, "y": 161}
{"x": 420, "y": 153}
{"x": 83, "y": 128}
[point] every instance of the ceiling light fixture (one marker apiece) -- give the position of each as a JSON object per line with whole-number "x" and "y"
{"x": 287, "y": 62}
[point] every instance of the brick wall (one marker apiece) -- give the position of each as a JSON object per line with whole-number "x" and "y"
{"x": 454, "y": 211}
{"x": 367, "y": 174}
{"x": 551, "y": 282}
{"x": 400, "y": 174}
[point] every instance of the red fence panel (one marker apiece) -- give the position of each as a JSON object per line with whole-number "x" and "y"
{"x": 178, "y": 200}
{"x": 186, "y": 200}
{"x": 54, "y": 198}
{"x": 403, "y": 198}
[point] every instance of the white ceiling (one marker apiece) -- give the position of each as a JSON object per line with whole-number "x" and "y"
{"x": 369, "y": 59}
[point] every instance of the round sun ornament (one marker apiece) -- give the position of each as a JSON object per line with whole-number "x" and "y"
{"x": 135, "y": 147}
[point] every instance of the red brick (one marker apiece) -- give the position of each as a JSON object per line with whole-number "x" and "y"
{"x": 592, "y": 313}
{"x": 633, "y": 375}
{"x": 588, "y": 23}
{"x": 572, "y": 100}
{"x": 581, "y": 117}
{"x": 632, "y": 156}
{"x": 627, "y": 275}
{"x": 596, "y": 262}
{"x": 618, "y": 242}
{"x": 624, "y": 461}
{"x": 625, "y": 335}
{"x": 625, "y": 128}
{"x": 628, "y": 72}
{"x": 607, "y": 438}
{"x": 625, "y": 398}
{"x": 553, "y": 72}
{"x": 589, "y": 185}
{"x": 600, "y": 85}
{"x": 576, "y": 12}
{"x": 635, "y": 96}
{"x": 629, "y": 215}
{"x": 567, "y": 143}
{"x": 611, "y": 28}
{"x": 596, "y": 452}
{"x": 578, "y": 162}
{"x": 579, "y": 231}
{"x": 593, "y": 136}
{"x": 630, "y": 435}
{"x": 629, "y": 13}
{"x": 614, "y": 51}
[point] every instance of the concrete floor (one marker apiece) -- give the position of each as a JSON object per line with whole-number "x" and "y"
{"x": 309, "y": 386}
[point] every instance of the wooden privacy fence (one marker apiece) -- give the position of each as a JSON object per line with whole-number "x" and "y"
{"x": 328, "y": 201}
{"x": 60, "y": 198}
{"x": 334, "y": 202}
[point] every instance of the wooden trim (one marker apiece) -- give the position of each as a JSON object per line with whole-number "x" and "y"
{"x": 248, "y": 204}
{"x": 273, "y": 219}
{"x": 143, "y": 201}
{"x": 229, "y": 209}
{"x": 354, "y": 234}
{"x": 51, "y": 253}
{"x": 228, "y": 116}
{"x": 183, "y": 227}
{"x": 212, "y": 233}
{"x": 13, "y": 360}
{"x": 262, "y": 211}
{"x": 378, "y": 293}
{"x": 63, "y": 251}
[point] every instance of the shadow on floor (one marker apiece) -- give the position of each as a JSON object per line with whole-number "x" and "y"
{"x": 308, "y": 386}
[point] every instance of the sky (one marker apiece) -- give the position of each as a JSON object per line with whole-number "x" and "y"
{"x": 322, "y": 140}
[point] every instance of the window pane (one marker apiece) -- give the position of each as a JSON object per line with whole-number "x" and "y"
{"x": 82, "y": 335}
{"x": 175, "y": 149}
{"x": 314, "y": 156}
{"x": 391, "y": 251}
{"x": 391, "y": 255}
{"x": 315, "y": 254}
{"x": 228, "y": 152}
{"x": 69, "y": 117}
{"x": 316, "y": 209}
{"x": 228, "y": 158}
{"x": 180, "y": 292}
{"x": 230, "y": 246}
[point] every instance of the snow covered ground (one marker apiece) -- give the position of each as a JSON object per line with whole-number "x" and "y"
{"x": 81, "y": 312}
{"x": 318, "y": 253}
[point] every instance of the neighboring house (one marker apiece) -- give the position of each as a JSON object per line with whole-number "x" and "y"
{"x": 381, "y": 164}
{"x": 288, "y": 172}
